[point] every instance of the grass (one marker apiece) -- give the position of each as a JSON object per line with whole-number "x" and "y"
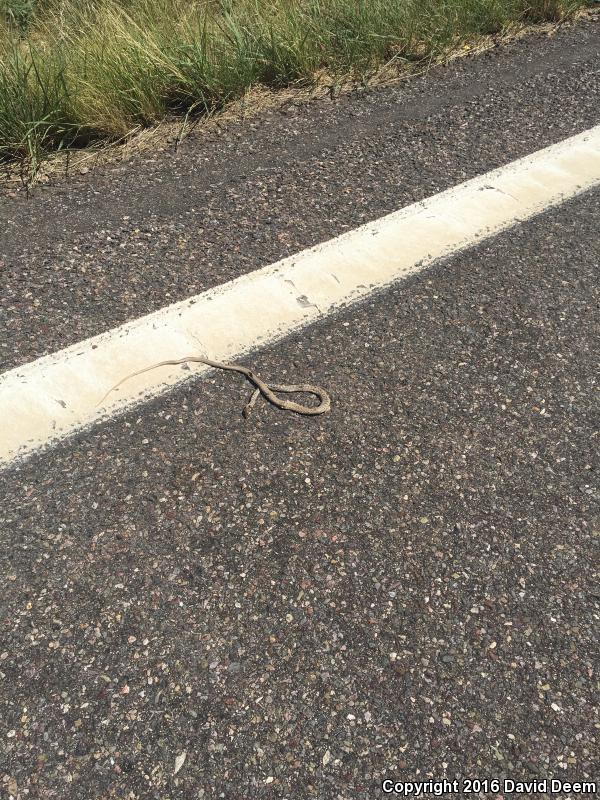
{"x": 73, "y": 72}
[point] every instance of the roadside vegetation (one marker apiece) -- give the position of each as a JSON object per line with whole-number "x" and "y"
{"x": 73, "y": 72}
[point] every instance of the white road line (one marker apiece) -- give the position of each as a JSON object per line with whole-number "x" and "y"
{"x": 58, "y": 395}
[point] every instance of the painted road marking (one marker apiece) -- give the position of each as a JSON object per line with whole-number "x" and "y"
{"x": 55, "y": 396}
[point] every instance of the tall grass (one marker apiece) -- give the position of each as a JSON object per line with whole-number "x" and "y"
{"x": 74, "y": 71}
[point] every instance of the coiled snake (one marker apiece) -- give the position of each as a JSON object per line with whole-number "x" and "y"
{"x": 266, "y": 389}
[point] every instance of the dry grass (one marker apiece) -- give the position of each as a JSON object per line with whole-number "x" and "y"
{"x": 78, "y": 72}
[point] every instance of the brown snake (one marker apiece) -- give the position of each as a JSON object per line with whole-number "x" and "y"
{"x": 267, "y": 390}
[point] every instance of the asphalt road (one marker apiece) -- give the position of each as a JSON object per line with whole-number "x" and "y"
{"x": 96, "y": 251}
{"x": 406, "y": 587}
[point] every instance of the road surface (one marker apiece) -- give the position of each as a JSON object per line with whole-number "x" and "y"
{"x": 404, "y": 589}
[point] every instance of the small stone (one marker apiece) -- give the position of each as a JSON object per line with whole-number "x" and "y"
{"x": 179, "y": 762}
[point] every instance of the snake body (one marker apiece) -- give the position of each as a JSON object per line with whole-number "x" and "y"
{"x": 266, "y": 389}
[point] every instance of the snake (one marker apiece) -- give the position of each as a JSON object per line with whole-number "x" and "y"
{"x": 268, "y": 390}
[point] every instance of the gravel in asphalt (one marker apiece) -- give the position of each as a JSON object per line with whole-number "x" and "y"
{"x": 101, "y": 249}
{"x": 406, "y": 587}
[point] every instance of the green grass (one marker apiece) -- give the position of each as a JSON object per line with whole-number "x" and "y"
{"x": 77, "y": 71}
